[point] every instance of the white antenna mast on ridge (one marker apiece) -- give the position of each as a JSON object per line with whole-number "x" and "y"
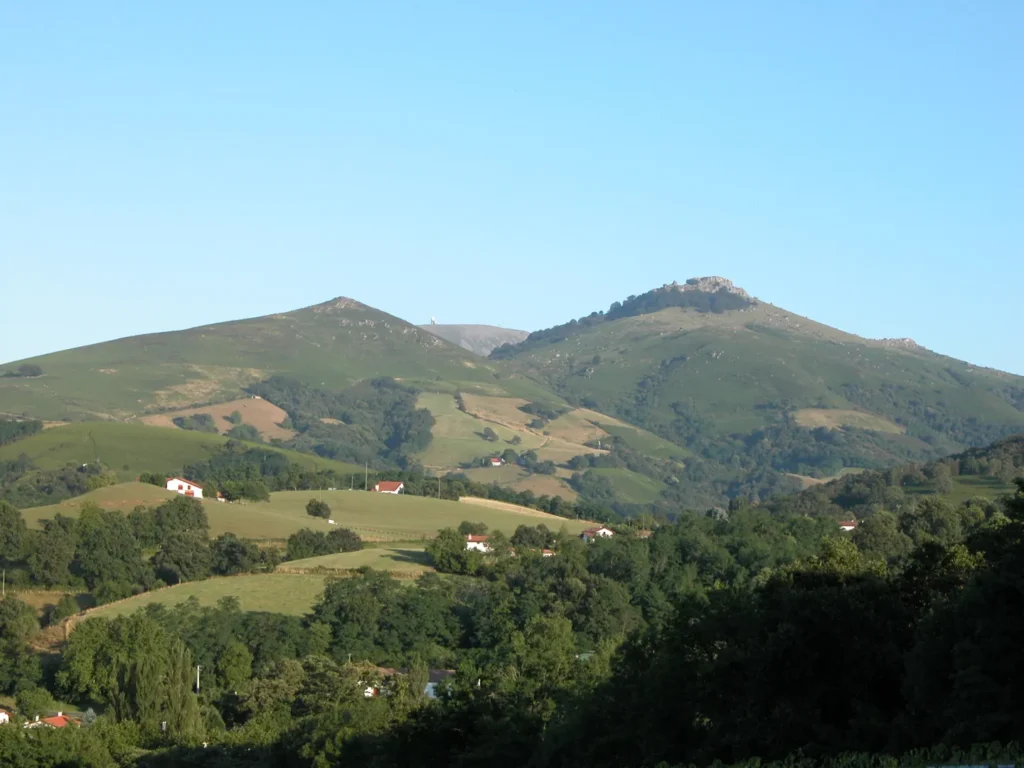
{"x": 433, "y": 320}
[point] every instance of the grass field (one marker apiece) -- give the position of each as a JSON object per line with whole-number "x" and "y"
{"x": 457, "y": 435}
{"x": 129, "y": 449}
{"x": 631, "y": 486}
{"x": 289, "y": 593}
{"x": 518, "y": 479}
{"x": 837, "y": 418}
{"x": 260, "y": 413}
{"x": 406, "y": 560}
{"x": 967, "y": 487}
{"x": 375, "y": 517}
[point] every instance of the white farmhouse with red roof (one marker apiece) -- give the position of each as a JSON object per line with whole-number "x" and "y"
{"x": 597, "y": 533}
{"x": 394, "y": 487}
{"x": 184, "y": 487}
{"x": 479, "y": 543}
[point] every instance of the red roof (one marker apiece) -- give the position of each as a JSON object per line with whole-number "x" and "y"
{"x": 180, "y": 480}
{"x": 474, "y": 537}
{"x": 390, "y": 485}
{"x": 496, "y": 460}
{"x": 849, "y": 523}
{"x": 59, "y": 721}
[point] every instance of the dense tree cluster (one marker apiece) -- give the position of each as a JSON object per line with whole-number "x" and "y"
{"x": 101, "y": 551}
{"x": 374, "y": 421}
{"x": 11, "y": 430}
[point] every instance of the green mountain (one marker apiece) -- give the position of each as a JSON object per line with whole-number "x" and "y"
{"x": 748, "y": 385}
{"x": 331, "y": 345}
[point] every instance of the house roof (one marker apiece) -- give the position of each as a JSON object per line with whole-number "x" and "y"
{"x": 59, "y": 721}
{"x": 183, "y": 480}
{"x": 592, "y": 531}
{"x": 496, "y": 460}
{"x": 848, "y": 523}
{"x": 474, "y": 537}
{"x": 547, "y": 552}
{"x": 390, "y": 485}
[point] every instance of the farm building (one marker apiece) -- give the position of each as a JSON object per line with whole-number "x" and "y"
{"x": 60, "y": 720}
{"x": 479, "y": 543}
{"x": 394, "y": 487}
{"x": 5, "y": 716}
{"x": 496, "y": 461}
{"x": 184, "y": 487}
{"x": 847, "y": 525}
{"x": 547, "y": 553}
{"x": 597, "y": 533}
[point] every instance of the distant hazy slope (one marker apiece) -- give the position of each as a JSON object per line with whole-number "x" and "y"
{"x": 331, "y": 344}
{"x": 478, "y": 339}
{"x": 701, "y": 372}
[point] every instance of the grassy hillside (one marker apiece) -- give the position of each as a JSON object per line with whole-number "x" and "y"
{"x": 288, "y": 593}
{"x": 375, "y": 517}
{"x": 129, "y": 449}
{"x": 404, "y": 560}
{"x": 330, "y": 345}
{"x": 700, "y": 376}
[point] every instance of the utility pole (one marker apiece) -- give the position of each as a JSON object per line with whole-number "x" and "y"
{"x": 366, "y": 476}
{"x": 439, "y": 487}
{"x": 5, "y": 582}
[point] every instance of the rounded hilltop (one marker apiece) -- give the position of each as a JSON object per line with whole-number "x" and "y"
{"x": 339, "y": 304}
{"x": 711, "y": 284}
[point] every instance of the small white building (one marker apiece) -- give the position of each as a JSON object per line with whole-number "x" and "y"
{"x": 847, "y": 525}
{"x": 394, "y": 487}
{"x": 497, "y": 461}
{"x": 479, "y": 543}
{"x": 597, "y": 533}
{"x": 184, "y": 487}
{"x": 5, "y": 716}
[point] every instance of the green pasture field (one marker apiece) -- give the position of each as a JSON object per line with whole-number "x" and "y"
{"x": 289, "y": 593}
{"x": 129, "y": 449}
{"x": 374, "y": 516}
{"x": 399, "y": 559}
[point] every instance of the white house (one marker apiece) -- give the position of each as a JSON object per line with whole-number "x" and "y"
{"x": 497, "y": 461}
{"x": 184, "y": 487}
{"x": 547, "y": 553}
{"x": 597, "y": 533}
{"x": 394, "y": 487}
{"x": 847, "y": 525}
{"x": 5, "y": 716}
{"x": 479, "y": 543}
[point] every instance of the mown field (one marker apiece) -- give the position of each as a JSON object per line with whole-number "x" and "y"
{"x": 261, "y": 414}
{"x": 375, "y": 517}
{"x": 518, "y": 479}
{"x": 289, "y": 593}
{"x": 129, "y": 449}
{"x": 401, "y": 560}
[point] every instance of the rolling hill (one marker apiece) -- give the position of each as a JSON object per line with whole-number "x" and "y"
{"x": 709, "y": 367}
{"x": 687, "y": 395}
{"x": 329, "y": 345}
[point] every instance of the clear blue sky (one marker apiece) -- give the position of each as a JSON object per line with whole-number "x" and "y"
{"x": 164, "y": 165}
